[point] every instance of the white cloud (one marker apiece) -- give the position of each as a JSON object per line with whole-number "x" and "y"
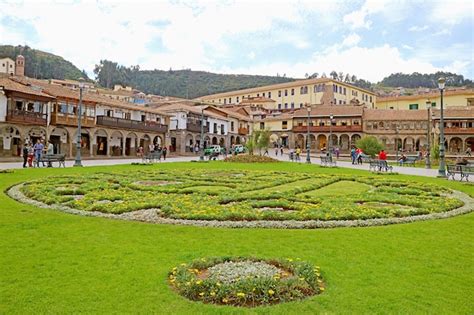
{"x": 372, "y": 64}
{"x": 358, "y": 18}
{"x": 458, "y": 66}
{"x": 452, "y": 12}
{"x": 251, "y": 55}
{"x": 416, "y": 28}
{"x": 407, "y": 47}
{"x": 351, "y": 40}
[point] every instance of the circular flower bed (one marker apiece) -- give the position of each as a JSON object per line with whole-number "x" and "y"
{"x": 246, "y": 282}
{"x": 246, "y": 158}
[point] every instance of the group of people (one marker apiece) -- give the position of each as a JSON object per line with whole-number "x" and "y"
{"x": 356, "y": 155}
{"x": 153, "y": 148}
{"x": 33, "y": 153}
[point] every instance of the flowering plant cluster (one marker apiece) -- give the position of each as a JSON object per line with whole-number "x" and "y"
{"x": 243, "y": 195}
{"x": 249, "y": 282}
{"x": 246, "y": 158}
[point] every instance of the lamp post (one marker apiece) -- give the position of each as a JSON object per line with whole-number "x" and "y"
{"x": 442, "y": 168}
{"x": 428, "y": 144}
{"x": 201, "y": 157}
{"x": 78, "y": 161}
{"x": 331, "y": 117}
{"x": 396, "y": 142}
{"x": 308, "y": 140}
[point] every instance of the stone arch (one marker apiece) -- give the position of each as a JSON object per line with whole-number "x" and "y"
{"x": 158, "y": 140}
{"x": 470, "y": 144}
{"x": 344, "y": 142}
{"x": 61, "y": 140}
{"x": 11, "y": 140}
{"x": 421, "y": 143}
{"x": 334, "y": 142}
{"x": 322, "y": 142}
{"x": 354, "y": 138}
{"x": 36, "y": 133}
{"x": 312, "y": 141}
{"x": 214, "y": 140}
{"x": 189, "y": 142}
{"x": 131, "y": 144}
{"x": 274, "y": 139}
{"x": 299, "y": 141}
{"x": 207, "y": 141}
{"x": 116, "y": 145}
{"x": 232, "y": 140}
{"x": 284, "y": 140}
{"x": 397, "y": 144}
{"x": 455, "y": 145}
{"x": 101, "y": 142}
{"x": 409, "y": 144}
{"x": 85, "y": 142}
{"x": 237, "y": 140}
{"x": 222, "y": 142}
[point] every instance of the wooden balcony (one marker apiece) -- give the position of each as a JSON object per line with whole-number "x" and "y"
{"x": 121, "y": 123}
{"x": 243, "y": 131}
{"x": 26, "y": 117}
{"x": 459, "y": 131}
{"x": 71, "y": 120}
{"x": 353, "y": 128}
{"x": 195, "y": 127}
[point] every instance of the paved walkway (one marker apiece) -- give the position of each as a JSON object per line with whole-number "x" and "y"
{"x": 314, "y": 159}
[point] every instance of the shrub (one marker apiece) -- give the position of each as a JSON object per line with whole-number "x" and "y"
{"x": 247, "y": 158}
{"x": 369, "y": 145}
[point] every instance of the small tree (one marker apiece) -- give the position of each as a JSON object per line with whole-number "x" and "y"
{"x": 263, "y": 140}
{"x": 369, "y": 145}
{"x": 435, "y": 151}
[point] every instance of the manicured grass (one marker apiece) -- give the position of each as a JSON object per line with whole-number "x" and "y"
{"x": 54, "y": 262}
{"x": 341, "y": 188}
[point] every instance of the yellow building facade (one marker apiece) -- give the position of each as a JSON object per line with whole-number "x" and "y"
{"x": 293, "y": 95}
{"x": 455, "y": 98}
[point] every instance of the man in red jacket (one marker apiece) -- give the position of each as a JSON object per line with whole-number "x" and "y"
{"x": 382, "y": 155}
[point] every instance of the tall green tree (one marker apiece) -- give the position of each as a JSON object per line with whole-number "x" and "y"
{"x": 369, "y": 145}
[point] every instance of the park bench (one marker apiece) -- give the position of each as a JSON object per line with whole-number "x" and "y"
{"x": 463, "y": 170}
{"x": 152, "y": 157}
{"x": 410, "y": 160}
{"x": 379, "y": 166}
{"x": 50, "y": 158}
{"x": 213, "y": 156}
{"x": 327, "y": 161}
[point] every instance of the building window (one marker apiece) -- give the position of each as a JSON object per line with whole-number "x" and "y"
{"x": 230, "y": 100}
{"x": 215, "y": 128}
{"x": 340, "y": 102}
{"x": 286, "y": 92}
{"x": 237, "y": 99}
{"x": 334, "y": 88}
{"x": 292, "y": 105}
{"x": 301, "y": 105}
{"x": 269, "y": 94}
{"x": 413, "y": 106}
{"x": 344, "y": 91}
{"x": 258, "y": 94}
{"x": 222, "y": 130}
{"x": 433, "y": 104}
{"x": 284, "y": 124}
{"x": 263, "y": 94}
{"x": 292, "y": 91}
{"x": 340, "y": 90}
{"x": 262, "y": 125}
{"x": 355, "y": 122}
{"x": 370, "y": 98}
{"x": 279, "y": 106}
{"x": 279, "y": 93}
{"x": 231, "y": 126}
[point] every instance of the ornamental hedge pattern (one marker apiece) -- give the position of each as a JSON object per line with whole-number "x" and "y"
{"x": 243, "y": 195}
{"x": 249, "y": 282}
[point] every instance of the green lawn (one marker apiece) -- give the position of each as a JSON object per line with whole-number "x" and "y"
{"x": 52, "y": 262}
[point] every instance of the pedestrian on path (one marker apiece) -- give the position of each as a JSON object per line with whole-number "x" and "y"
{"x": 25, "y": 154}
{"x": 38, "y": 148}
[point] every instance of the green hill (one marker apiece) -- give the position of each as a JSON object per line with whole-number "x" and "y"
{"x": 42, "y": 65}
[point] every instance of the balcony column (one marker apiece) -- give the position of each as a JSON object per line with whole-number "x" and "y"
{"x": 123, "y": 146}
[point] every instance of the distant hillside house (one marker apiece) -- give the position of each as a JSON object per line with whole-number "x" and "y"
{"x": 7, "y": 66}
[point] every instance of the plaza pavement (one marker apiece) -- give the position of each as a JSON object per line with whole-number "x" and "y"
{"x": 314, "y": 159}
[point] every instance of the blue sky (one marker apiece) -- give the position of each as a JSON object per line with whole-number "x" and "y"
{"x": 368, "y": 38}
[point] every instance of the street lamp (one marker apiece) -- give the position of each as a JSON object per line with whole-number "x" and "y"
{"x": 331, "y": 117}
{"x": 442, "y": 168}
{"x": 428, "y": 145}
{"x": 201, "y": 157}
{"x": 78, "y": 162}
{"x": 308, "y": 140}
{"x": 396, "y": 141}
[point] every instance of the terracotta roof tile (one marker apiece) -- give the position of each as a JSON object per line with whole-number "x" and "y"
{"x": 336, "y": 110}
{"x": 394, "y": 114}
{"x": 426, "y": 95}
{"x": 11, "y": 85}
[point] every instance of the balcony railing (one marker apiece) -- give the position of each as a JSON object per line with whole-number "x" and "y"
{"x": 20, "y": 116}
{"x": 71, "y": 120}
{"x": 243, "y": 131}
{"x": 131, "y": 124}
{"x": 195, "y": 127}
{"x": 459, "y": 130}
{"x": 353, "y": 128}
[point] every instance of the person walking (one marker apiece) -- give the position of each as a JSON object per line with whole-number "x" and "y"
{"x": 468, "y": 151}
{"x": 25, "y": 154}
{"x": 163, "y": 152}
{"x": 49, "y": 151}
{"x": 337, "y": 153}
{"x": 276, "y": 150}
{"x": 266, "y": 152}
{"x": 298, "y": 152}
{"x": 353, "y": 155}
{"x": 38, "y": 148}
{"x": 281, "y": 150}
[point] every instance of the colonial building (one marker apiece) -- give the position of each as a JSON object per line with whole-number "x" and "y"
{"x": 109, "y": 127}
{"x": 293, "y": 95}
{"x": 452, "y": 97}
{"x": 7, "y": 66}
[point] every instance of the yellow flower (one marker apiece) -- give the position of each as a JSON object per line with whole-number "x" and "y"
{"x": 318, "y": 274}
{"x": 241, "y": 294}
{"x": 212, "y": 293}
{"x": 320, "y": 281}
{"x": 289, "y": 259}
{"x": 218, "y": 284}
{"x": 188, "y": 283}
{"x": 201, "y": 294}
{"x": 301, "y": 278}
{"x": 198, "y": 282}
{"x": 271, "y": 292}
{"x": 321, "y": 289}
{"x": 224, "y": 300}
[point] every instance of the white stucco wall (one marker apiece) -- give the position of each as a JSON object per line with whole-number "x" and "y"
{"x": 3, "y": 107}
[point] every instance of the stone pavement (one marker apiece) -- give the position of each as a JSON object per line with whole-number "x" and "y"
{"x": 314, "y": 159}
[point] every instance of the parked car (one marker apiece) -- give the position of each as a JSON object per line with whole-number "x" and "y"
{"x": 238, "y": 148}
{"x": 213, "y": 150}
